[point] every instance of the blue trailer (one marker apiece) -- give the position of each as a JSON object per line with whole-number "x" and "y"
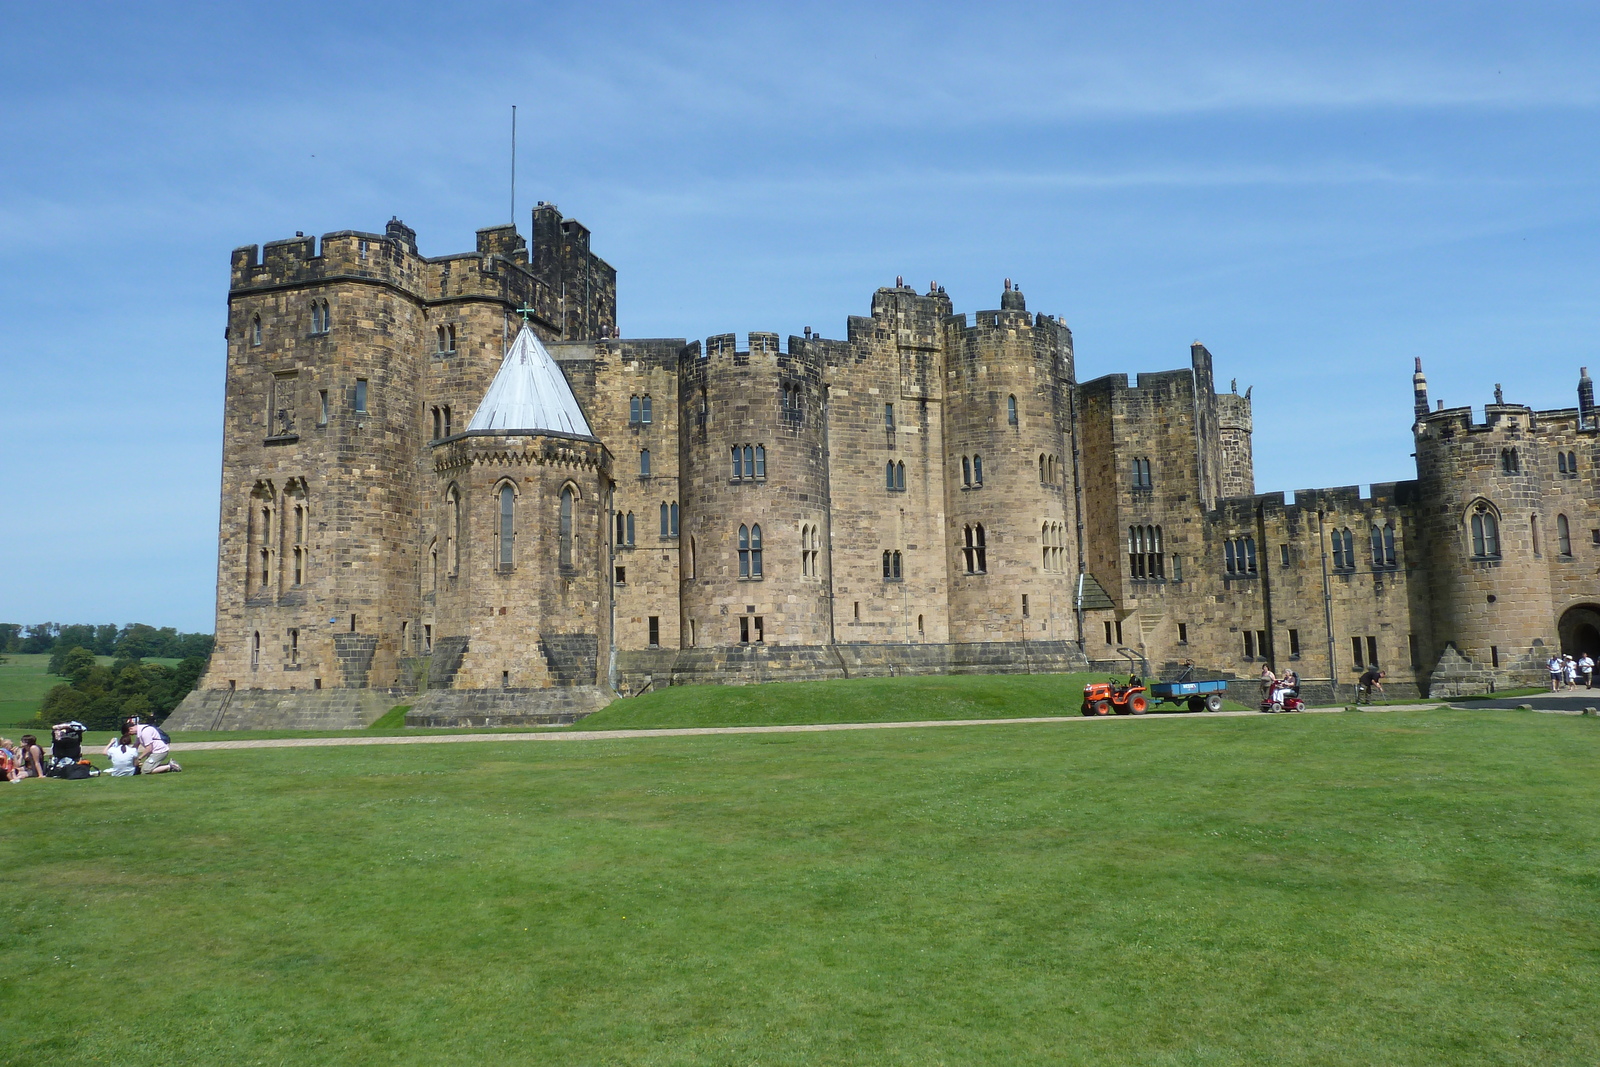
{"x": 1199, "y": 696}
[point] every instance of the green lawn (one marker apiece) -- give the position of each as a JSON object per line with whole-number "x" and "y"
{"x": 1404, "y": 888}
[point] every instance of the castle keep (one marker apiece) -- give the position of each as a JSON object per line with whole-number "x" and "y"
{"x": 446, "y": 479}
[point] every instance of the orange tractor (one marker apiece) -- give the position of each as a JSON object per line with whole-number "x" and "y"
{"x": 1103, "y": 698}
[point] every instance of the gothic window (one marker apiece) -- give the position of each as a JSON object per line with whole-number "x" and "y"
{"x": 634, "y": 411}
{"x": 673, "y": 516}
{"x": 749, "y": 462}
{"x": 738, "y": 463}
{"x": 1349, "y": 547}
{"x": 621, "y": 537}
{"x": 966, "y": 472}
{"x": 761, "y": 461}
{"x": 298, "y": 514}
{"x": 452, "y": 530}
{"x": 1145, "y": 557}
{"x": 644, "y": 463}
{"x": 628, "y": 530}
{"x": 1388, "y": 545}
{"x": 446, "y": 339}
{"x": 1239, "y": 555}
{"x": 566, "y": 526}
{"x": 895, "y": 476}
{"x": 645, "y": 415}
{"x": 1011, "y": 410}
{"x": 1510, "y": 462}
{"x": 259, "y": 537}
{"x": 1041, "y": 468}
{"x": 1485, "y": 532}
{"x": 790, "y": 400}
{"x": 891, "y": 566}
{"x": 507, "y": 526}
{"x": 446, "y": 410}
{"x": 750, "y": 551}
{"x": 1141, "y": 474}
{"x": 977, "y": 470}
{"x": 1563, "y": 536}
{"x": 888, "y": 475}
{"x": 255, "y": 330}
{"x": 255, "y": 651}
{"x": 321, "y": 320}
{"x": 664, "y": 521}
{"x": 809, "y": 540}
{"x": 888, "y": 417}
{"x": 974, "y": 549}
{"x": 1377, "y": 546}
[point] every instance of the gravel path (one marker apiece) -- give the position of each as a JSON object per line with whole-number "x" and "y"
{"x": 704, "y": 731}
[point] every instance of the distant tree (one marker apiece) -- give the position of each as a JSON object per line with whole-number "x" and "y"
{"x": 62, "y": 703}
{"x": 75, "y": 665}
{"x": 40, "y": 638}
{"x": 10, "y": 637}
{"x": 105, "y": 639}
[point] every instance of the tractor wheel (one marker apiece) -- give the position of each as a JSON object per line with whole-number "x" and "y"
{"x": 1197, "y": 704}
{"x": 1213, "y": 703}
{"x": 1138, "y": 705}
{"x": 1102, "y": 707}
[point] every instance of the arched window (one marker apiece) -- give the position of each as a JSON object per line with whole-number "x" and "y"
{"x": 566, "y": 526}
{"x": 738, "y": 463}
{"x": 744, "y": 551}
{"x": 507, "y": 526}
{"x": 630, "y": 530}
{"x": 1349, "y": 547}
{"x": 664, "y": 520}
{"x": 974, "y": 550}
{"x": 888, "y": 475}
{"x": 749, "y": 462}
{"x": 255, "y": 330}
{"x": 644, "y": 463}
{"x": 1041, "y": 468}
{"x": 966, "y": 471}
{"x": 1344, "y": 555}
{"x": 297, "y": 531}
{"x": 452, "y": 530}
{"x": 255, "y": 651}
{"x": 438, "y": 424}
{"x": 260, "y": 538}
{"x": 433, "y": 565}
{"x": 1561, "y": 462}
{"x": 1485, "y": 532}
{"x": 900, "y": 476}
{"x": 755, "y": 551}
{"x": 761, "y": 461}
{"x": 1388, "y": 545}
{"x": 633, "y": 410}
{"x": 674, "y": 519}
{"x": 644, "y": 410}
{"x": 886, "y": 563}
{"x": 1377, "y": 546}
{"x": 895, "y": 560}
{"x": 1011, "y": 410}
{"x": 977, "y": 469}
{"x": 1563, "y": 536}
{"x": 1510, "y": 462}
{"x": 1044, "y": 546}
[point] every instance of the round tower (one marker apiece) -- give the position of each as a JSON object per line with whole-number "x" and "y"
{"x": 755, "y": 495}
{"x": 1009, "y": 504}
{"x": 1485, "y": 543}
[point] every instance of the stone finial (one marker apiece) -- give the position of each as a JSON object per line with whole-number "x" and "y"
{"x": 899, "y": 281}
{"x": 1008, "y": 285}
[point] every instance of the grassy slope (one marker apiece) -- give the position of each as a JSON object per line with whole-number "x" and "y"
{"x": 1408, "y": 888}
{"x": 23, "y": 684}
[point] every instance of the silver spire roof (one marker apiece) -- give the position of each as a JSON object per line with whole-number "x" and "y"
{"x": 530, "y": 394}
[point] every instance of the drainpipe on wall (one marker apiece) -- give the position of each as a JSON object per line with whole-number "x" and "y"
{"x": 1327, "y": 604}
{"x": 827, "y": 511}
{"x": 611, "y": 585}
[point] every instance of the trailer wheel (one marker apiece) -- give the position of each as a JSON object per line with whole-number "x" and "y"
{"x": 1213, "y": 703}
{"x": 1138, "y": 705}
{"x": 1197, "y": 704}
{"x": 1102, "y": 707}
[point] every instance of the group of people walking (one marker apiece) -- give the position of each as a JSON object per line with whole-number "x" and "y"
{"x": 1566, "y": 672}
{"x": 142, "y": 748}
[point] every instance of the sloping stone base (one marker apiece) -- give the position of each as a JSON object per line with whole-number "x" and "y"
{"x": 282, "y": 709}
{"x": 506, "y": 707}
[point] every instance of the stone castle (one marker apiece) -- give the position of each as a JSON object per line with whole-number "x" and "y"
{"x": 447, "y": 481}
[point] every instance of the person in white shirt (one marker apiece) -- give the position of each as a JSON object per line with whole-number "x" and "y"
{"x": 1586, "y": 668}
{"x": 157, "y": 758}
{"x": 124, "y": 755}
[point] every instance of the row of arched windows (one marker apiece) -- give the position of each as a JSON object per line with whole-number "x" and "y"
{"x": 441, "y": 422}
{"x": 321, "y": 317}
{"x": 1344, "y": 550}
{"x": 1052, "y": 539}
{"x": 445, "y": 338}
{"x": 749, "y": 462}
{"x": 1510, "y": 462}
{"x": 1049, "y": 469}
{"x": 1383, "y": 546}
{"x": 639, "y": 410}
{"x": 669, "y": 519}
{"x": 792, "y": 399}
{"x": 1141, "y": 474}
{"x": 894, "y": 476}
{"x": 972, "y": 471}
{"x": 625, "y": 530}
{"x": 1566, "y": 462}
{"x": 1145, "y": 560}
{"x": 810, "y": 549}
{"x": 278, "y": 533}
{"x": 450, "y": 533}
{"x": 1239, "y": 555}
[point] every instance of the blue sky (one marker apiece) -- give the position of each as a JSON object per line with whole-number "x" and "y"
{"x": 1319, "y": 192}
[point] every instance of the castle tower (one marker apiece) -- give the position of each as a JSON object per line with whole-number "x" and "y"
{"x": 1010, "y": 528}
{"x": 522, "y": 598}
{"x": 754, "y": 495}
{"x": 1484, "y": 536}
{"x": 1236, "y": 474}
{"x": 318, "y": 556}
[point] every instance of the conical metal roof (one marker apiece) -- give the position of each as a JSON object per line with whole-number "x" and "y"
{"x": 530, "y": 394}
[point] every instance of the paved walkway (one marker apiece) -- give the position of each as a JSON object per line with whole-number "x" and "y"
{"x": 704, "y": 731}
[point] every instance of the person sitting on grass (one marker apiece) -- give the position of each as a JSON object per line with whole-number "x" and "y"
{"x": 153, "y": 748}
{"x": 1370, "y": 684}
{"x": 31, "y": 764}
{"x": 10, "y": 755}
{"x": 124, "y": 755}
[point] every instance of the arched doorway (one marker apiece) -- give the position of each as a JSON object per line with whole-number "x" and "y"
{"x": 1580, "y": 630}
